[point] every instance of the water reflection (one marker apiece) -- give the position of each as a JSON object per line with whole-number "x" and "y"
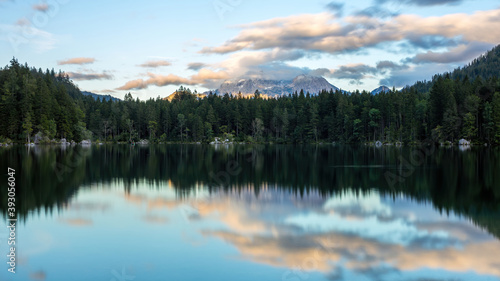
{"x": 247, "y": 213}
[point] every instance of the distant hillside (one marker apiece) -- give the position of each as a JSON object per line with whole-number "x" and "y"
{"x": 101, "y": 97}
{"x": 272, "y": 88}
{"x": 381, "y": 89}
{"x": 485, "y": 66}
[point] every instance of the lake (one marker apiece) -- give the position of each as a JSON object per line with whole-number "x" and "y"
{"x": 262, "y": 212}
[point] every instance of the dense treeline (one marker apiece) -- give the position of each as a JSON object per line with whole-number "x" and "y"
{"x": 461, "y": 104}
{"x": 36, "y": 101}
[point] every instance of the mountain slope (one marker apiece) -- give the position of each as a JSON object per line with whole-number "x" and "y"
{"x": 101, "y": 97}
{"x": 381, "y": 89}
{"x": 272, "y": 88}
{"x": 485, "y": 66}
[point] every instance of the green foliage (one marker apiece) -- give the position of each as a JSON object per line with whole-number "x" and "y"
{"x": 469, "y": 129}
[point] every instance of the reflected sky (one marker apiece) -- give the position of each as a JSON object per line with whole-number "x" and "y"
{"x": 152, "y": 233}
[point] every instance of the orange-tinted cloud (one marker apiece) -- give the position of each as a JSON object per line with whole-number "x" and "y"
{"x": 79, "y": 61}
{"x": 155, "y": 63}
{"x": 201, "y": 77}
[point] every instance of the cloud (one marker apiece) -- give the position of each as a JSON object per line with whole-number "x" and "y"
{"x": 271, "y": 64}
{"x": 461, "y": 53}
{"x": 429, "y": 41}
{"x": 196, "y": 65}
{"x": 88, "y": 207}
{"x": 353, "y": 71}
{"x": 412, "y": 74}
{"x": 379, "y": 252}
{"x": 261, "y": 64}
{"x": 79, "y": 61}
{"x": 77, "y": 222}
{"x": 390, "y": 65}
{"x": 376, "y": 12}
{"x": 89, "y": 76}
{"x": 42, "y": 7}
{"x": 423, "y": 2}
{"x": 105, "y": 91}
{"x": 323, "y": 33}
{"x": 336, "y": 7}
{"x": 155, "y": 79}
{"x": 269, "y": 240}
{"x": 207, "y": 74}
{"x": 155, "y": 219}
{"x": 155, "y": 63}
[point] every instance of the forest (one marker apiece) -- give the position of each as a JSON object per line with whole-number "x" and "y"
{"x": 464, "y": 103}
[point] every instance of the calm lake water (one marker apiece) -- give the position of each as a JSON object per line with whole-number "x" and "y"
{"x": 197, "y": 212}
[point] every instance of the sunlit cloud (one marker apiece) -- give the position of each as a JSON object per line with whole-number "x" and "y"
{"x": 155, "y": 63}
{"x": 371, "y": 250}
{"x": 321, "y": 32}
{"x": 78, "y": 61}
{"x": 203, "y": 76}
{"x": 363, "y": 234}
{"x": 155, "y": 79}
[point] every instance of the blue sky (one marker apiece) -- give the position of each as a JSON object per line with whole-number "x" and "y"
{"x": 150, "y": 48}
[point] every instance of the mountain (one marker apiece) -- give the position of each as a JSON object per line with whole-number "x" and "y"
{"x": 272, "y": 88}
{"x": 101, "y": 97}
{"x": 381, "y": 89}
{"x": 178, "y": 94}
